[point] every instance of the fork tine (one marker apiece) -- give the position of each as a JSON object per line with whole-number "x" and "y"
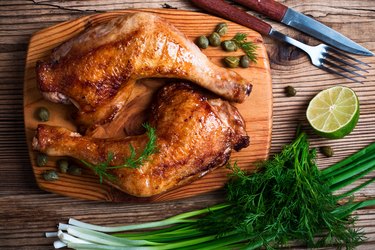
{"x": 338, "y": 73}
{"x": 337, "y": 59}
{"x": 347, "y": 56}
{"x": 342, "y": 68}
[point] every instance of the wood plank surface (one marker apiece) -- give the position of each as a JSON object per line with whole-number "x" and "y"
{"x": 26, "y": 211}
{"x": 256, "y": 109}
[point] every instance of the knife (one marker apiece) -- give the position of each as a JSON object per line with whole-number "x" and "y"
{"x": 299, "y": 21}
{"x": 290, "y": 17}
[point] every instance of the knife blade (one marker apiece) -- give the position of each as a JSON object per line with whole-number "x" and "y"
{"x": 299, "y": 21}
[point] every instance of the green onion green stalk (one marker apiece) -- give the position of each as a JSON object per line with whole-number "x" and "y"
{"x": 287, "y": 198}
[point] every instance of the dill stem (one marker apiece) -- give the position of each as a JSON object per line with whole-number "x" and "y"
{"x": 259, "y": 243}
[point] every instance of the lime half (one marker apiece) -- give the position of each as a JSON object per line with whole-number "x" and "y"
{"x": 333, "y": 113}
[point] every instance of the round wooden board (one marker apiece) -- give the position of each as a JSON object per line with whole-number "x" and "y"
{"x": 256, "y": 110}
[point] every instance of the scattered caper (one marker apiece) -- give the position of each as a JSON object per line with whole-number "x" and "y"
{"x": 290, "y": 91}
{"x": 244, "y": 61}
{"x": 202, "y": 42}
{"x": 43, "y": 114}
{"x": 63, "y": 165}
{"x": 326, "y": 150}
{"x": 229, "y": 45}
{"x": 221, "y": 29}
{"x": 75, "y": 170}
{"x": 214, "y": 39}
{"x": 50, "y": 175}
{"x": 41, "y": 159}
{"x": 232, "y": 61}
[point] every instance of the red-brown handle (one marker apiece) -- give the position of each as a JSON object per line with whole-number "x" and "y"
{"x": 270, "y": 8}
{"x": 227, "y": 11}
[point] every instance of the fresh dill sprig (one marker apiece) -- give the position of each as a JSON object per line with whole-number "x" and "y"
{"x": 132, "y": 161}
{"x": 248, "y": 47}
{"x": 101, "y": 169}
{"x": 286, "y": 199}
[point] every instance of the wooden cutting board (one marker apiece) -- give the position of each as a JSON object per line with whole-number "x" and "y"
{"x": 256, "y": 110}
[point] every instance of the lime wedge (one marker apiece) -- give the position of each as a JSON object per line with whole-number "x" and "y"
{"x": 333, "y": 113}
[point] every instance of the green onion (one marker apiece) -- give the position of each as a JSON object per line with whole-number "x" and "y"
{"x": 366, "y": 152}
{"x": 355, "y": 189}
{"x": 181, "y": 218}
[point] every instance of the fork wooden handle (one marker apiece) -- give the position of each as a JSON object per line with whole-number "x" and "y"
{"x": 230, "y": 12}
{"x": 269, "y": 8}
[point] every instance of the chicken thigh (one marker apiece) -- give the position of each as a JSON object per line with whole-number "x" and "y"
{"x": 194, "y": 136}
{"x": 97, "y": 69}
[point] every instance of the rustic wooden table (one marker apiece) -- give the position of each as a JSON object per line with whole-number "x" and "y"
{"x": 26, "y": 212}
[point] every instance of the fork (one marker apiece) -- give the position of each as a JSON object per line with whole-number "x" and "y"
{"x": 322, "y": 56}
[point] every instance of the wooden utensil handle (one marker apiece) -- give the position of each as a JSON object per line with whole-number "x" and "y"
{"x": 270, "y": 8}
{"x": 227, "y": 11}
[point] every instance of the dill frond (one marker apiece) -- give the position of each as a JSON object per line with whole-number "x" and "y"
{"x": 286, "y": 199}
{"x": 101, "y": 169}
{"x": 248, "y": 47}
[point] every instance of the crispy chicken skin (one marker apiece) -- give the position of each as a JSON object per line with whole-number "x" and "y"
{"x": 97, "y": 69}
{"x": 194, "y": 136}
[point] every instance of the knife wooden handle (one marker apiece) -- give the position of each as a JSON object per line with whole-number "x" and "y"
{"x": 230, "y": 12}
{"x": 269, "y": 8}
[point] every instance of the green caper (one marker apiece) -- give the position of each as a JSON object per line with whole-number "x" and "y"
{"x": 41, "y": 159}
{"x": 50, "y": 175}
{"x": 63, "y": 165}
{"x": 244, "y": 61}
{"x": 214, "y": 39}
{"x": 221, "y": 29}
{"x": 232, "y": 61}
{"x": 202, "y": 42}
{"x": 75, "y": 170}
{"x": 229, "y": 45}
{"x": 326, "y": 150}
{"x": 43, "y": 114}
{"x": 290, "y": 91}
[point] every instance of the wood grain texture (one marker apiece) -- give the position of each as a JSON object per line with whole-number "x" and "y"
{"x": 26, "y": 212}
{"x": 256, "y": 110}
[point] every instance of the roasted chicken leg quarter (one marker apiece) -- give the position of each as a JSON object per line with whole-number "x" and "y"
{"x": 97, "y": 69}
{"x": 194, "y": 136}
